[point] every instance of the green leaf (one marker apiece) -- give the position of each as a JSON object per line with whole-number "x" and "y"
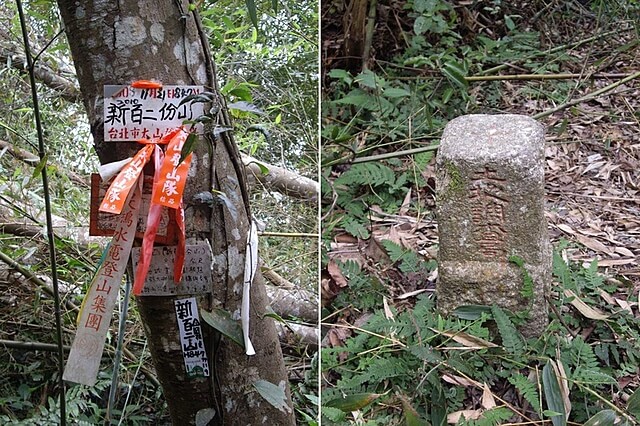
{"x": 199, "y": 97}
{"x": 188, "y": 147}
{"x": 471, "y": 312}
{"x": 263, "y": 169}
{"x": 509, "y": 22}
{"x": 421, "y": 25}
{"x": 204, "y": 416}
{"x": 553, "y": 395}
{"x": 273, "y": 394}
{"x": 438, "y": 406}
{"x": 246, "y": 107}
{"x": 411, "y": 416}
{"x": 369, "y": 79}
{"x": 221, "y": 320}
{"x": 240, "y": 91}
{"x": 260, "y": 129}
{"x": 333, "y": 414}
{"x": 395, "y": 92}
{"x": 353, "y": 402}
{"x": 40, "y": 166}
{"x": 446, "y": 95}
{"x": 633, "y": 405}
{"x": 358, "y": 98}
{"x": 340, "y": 74}
{"x": 270, "y": 313}
{"x": 455, "y": 73}
{"x": 603, "y": 418}
{"x": 253, "y": 13}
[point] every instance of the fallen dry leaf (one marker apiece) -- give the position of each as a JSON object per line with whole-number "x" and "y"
{"x": 593, "y": 244}
{"x": 461, "y": 381}
{"x": 583, "y": 308}
{"x": 388, "y": 314}
{"x": 454, "y": 418}
{"x": 466, "y": 340}
{"x": 336, "y": 274}
{"x": 488, "y": 401}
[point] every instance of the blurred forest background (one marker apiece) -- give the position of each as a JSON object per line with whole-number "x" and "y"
{"x": 273, "y": 67}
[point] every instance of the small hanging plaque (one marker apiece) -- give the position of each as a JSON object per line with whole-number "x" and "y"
{"x": 196, "y": 362}
{"x": 196, "y": 278}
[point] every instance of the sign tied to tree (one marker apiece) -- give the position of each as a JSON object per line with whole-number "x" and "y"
{"x": 155, "y": 114}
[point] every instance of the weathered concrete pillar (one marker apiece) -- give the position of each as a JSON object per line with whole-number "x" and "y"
{"x": 490, "y": 206}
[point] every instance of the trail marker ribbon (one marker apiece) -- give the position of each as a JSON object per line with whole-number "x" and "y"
{"x": 95, "y": 316}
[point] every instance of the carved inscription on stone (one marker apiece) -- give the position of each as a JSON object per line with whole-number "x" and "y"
{"x": 488, "y": 204}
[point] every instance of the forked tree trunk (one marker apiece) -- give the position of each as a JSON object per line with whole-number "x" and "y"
{"x": 118, "y": 42}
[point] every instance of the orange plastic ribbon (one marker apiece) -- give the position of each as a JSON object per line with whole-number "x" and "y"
{"x": 119, "y": 189}
{"x": 146, "y": 84}
{"x": 169, "y": 182}
{"x": 168, "y": 188}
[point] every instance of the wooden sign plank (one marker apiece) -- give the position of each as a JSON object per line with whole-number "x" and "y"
{"x": 196, "y": 278}
{"x": 103, "y": 224}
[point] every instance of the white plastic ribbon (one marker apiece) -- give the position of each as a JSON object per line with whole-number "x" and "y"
{"x": 97, "y": 309}
{"x": 250, "y": 267}
{"x": 109, "y": 170}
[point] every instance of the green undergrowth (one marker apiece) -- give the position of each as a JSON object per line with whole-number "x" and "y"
{"x": 410, "y": 365}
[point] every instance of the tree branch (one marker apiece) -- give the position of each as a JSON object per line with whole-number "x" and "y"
{"x": 45, "y": 75}
{"x": 281, "y": 179}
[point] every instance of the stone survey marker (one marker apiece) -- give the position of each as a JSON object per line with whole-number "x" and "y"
{"x": 490, "y": 205}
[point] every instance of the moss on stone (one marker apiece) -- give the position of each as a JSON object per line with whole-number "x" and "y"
{"x": 454, "y": 182}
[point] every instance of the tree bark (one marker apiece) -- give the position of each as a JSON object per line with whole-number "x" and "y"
{"x": 120, "y": 42}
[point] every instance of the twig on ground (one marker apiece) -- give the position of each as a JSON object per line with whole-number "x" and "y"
{"x": 591, "y": 96}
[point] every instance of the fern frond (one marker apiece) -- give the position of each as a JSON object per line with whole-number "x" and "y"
{"x": 593, "y": 377}
{"x": 582, "y": 355}
{"x": 561, "y": 270}
{"x": 526, "y": 290}
{"x": 593, "y": 280}
{"x": 374, "y": 174}
{"x": 511, "y": 338}
{"x": 495, "y": 416}
{"x": 528, "y": 390}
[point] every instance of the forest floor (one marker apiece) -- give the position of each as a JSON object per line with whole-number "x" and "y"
{"x": 592, "y": 171}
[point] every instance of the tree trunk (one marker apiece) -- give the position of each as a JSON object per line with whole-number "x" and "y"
{"x": 118, "y": 43}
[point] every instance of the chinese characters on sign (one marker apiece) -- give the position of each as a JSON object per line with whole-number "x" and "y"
{"x": 133, "y": 113}
{"x": 195, "y": 355}
{"x": 173, "y": 174}
{"x": 119, "y": 189}
{"x": 488, "y": 207}
{"x": 95, "y": 316}
{"x": 196, "y": 278}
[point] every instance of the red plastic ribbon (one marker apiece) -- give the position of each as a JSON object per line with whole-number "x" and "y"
{"x": 153, "y": 222}
{"x": 168, "y": 185}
